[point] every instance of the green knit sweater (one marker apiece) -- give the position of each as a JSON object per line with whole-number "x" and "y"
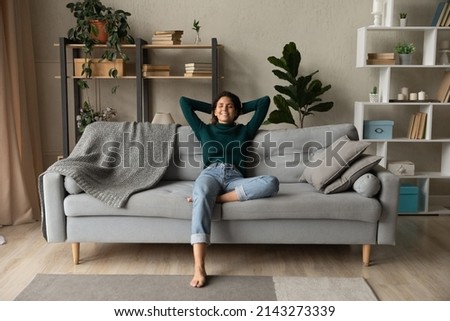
{"x": 225, "y": 143}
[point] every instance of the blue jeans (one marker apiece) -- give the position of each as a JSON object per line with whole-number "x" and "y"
{"x": 218, "y": 179}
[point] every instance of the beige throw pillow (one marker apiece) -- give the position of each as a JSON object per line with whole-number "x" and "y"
{"x": 333, "y": 161}
{"x": 359, "y": 167}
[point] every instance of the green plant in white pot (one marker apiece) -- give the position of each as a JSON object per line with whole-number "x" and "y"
{"x": 403, "y": 19}
{"x": 404, "y": 51}
{"x": 373, "y": 95}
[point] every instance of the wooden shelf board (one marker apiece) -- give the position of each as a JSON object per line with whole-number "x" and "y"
{"x": 182, "y": 46}
{"x": 423, "y": 174}
{"x": 433, "y": 210}
{"x": 101, "y": 77}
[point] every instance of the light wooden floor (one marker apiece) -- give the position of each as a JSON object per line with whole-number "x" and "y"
{"x": 417, "y": 268}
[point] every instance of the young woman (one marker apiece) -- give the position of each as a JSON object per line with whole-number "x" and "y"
{"x": 222, "y": 180}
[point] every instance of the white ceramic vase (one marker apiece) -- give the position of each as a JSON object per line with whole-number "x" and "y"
{"x": 373, "y": 98}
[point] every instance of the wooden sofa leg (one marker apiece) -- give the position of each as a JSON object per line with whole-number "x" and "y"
{"x": 366, "y": 254}
{"x": 76, "y": 253}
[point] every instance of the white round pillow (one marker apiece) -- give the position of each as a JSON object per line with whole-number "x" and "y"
{"x": 368, "y": 185}
{"x": 71, "y": 186}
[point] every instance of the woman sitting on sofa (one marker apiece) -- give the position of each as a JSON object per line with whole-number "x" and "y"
{"x": 224, "y": 146}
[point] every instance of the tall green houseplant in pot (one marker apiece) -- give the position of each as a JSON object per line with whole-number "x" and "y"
{"x": 302, "y": 93}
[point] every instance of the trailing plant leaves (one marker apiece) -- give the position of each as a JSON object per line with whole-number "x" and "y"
{"x": 82, "y": 84}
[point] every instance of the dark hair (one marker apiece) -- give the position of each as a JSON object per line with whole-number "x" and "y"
{"x": 236, "y": 102}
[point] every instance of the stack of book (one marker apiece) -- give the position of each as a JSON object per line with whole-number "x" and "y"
{"x": 381, "y": 58}
{"x": 417, "y": 125}
{"x": 155, "y": 70}
{"x": 193, "y": 69}
{"x": 168, "y": 37}
{"x": 441, "y": 16}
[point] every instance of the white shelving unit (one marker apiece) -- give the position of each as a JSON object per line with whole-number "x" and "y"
{"x": 428, "y": 57}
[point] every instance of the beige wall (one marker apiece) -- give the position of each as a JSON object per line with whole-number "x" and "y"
{"x": 250, "y": 30}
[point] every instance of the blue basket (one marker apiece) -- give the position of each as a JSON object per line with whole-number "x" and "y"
{"x": 378, "y": 129}
{"x": 409, "y": 199}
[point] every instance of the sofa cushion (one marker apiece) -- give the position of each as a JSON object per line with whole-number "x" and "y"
{"x": 368, "y": 185}
{"x": 167, "y": 199}
{"x": 277, "y": 152}
{"x": 187, "y": 161}
{"x": 332, "y": 161}
{"x": 359, "y": 167}
{"x": 303, "y": 201}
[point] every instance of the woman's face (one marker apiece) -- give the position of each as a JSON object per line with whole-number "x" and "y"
{"x": 225, "y": 111}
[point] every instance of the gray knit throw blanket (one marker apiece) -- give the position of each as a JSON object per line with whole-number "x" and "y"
{"x": 113, "y": 160}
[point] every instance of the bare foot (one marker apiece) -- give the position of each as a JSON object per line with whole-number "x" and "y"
{"x": 199, "y": 279}
{"x": 189, "y": 199}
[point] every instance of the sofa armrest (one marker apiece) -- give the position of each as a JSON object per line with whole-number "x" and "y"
{"x": 54, "y": 219}
{"x": 388, "y": 198}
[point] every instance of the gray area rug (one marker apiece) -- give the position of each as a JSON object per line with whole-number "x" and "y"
{"x": 124, "y": 287}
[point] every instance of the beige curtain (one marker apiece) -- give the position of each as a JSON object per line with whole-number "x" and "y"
{"x": 20, "y": 153}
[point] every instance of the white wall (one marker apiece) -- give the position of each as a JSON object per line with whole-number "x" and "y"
{"x": 250, "y": 30}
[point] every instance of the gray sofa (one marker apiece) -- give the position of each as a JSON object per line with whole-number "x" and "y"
{"x": 299, "y": 214}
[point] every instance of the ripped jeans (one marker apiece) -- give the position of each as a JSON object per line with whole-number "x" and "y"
{"x": 217, "y": 179}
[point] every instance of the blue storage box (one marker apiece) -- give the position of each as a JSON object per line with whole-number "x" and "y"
{"x": 409, "y": 199}
{"x": 378, "y": 129}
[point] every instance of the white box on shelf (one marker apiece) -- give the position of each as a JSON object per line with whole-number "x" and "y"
{"x": 401, "y": 168}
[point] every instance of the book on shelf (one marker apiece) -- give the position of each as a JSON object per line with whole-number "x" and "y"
{"x": 446, "y": 23}
{"x": 198, "y": 65}
{"x": 380, "y": 61}
{"x": 169, "y": 32}
{"x": 166, "y": 42}
{"x": 198, "y": 69}
{"x": 412, "y": 119}
{"x": 167, "y": 37}
{"x": 381, "y": 55}
{"x": 445, "y": 16}
{"x": 198, "y": 74}
{"x": 155, "y": 70}
{"x": 154, "y": 73}
{"x": 441, "y": 14}
{"x": 443, "y": 92}
{"x": 148, "y": 67}
{"x": 380, "y": 58}
{"x": 422, "y": 125}
{"x": 417, "y": 126}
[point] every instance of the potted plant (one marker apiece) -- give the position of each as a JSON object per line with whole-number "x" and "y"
{"x": 196, "y": 26}
{"x": 373, "y": 96}
{"x": 405, "y": 50}
{"x": 88, "y": 115}
{"x": 97, "y": 23}
{"x": 302, "y": 94}
{"x": 403, "y": 19}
